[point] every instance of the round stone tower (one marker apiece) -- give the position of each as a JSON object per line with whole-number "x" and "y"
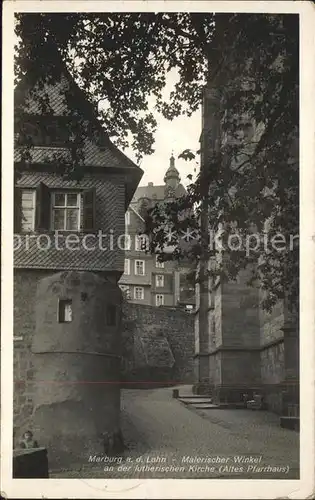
{"x": 76, "y": 353}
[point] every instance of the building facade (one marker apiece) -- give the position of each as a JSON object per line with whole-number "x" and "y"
{"x": 67, "y": 263}
{"x": 239, "y": 347}
{"x": 146, "y": 280}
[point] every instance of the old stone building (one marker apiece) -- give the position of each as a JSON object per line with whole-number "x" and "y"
{"x": 67, "y": 263}
{"x": 146, "y": 280}
{"x": 239, "y": 347}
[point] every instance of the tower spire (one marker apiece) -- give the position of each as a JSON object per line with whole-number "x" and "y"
{"x": 172, "y": 160}
{"x": 172, "y": 178}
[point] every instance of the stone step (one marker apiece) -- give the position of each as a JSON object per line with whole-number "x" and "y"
{"x": 204, "y": 406}
{"x": 230, "y": 406}
{"x": 195, "y": 401}
{"x": 194, "y": 397}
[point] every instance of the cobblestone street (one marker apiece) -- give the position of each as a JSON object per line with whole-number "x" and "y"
{"x": 165, "y": 439}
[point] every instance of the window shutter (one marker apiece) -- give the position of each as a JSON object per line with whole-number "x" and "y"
{"x": 89, "y": 196}
{"x": 43, "y": 208}
{"x": 17, "y": 210}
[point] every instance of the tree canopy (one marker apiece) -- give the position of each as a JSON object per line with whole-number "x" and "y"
{"x": 121, "y": 59}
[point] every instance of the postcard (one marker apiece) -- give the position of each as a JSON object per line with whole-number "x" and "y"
{"x": 158, "y": 249}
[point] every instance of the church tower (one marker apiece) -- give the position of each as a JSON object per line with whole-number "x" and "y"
{"x": 171, "y": 178}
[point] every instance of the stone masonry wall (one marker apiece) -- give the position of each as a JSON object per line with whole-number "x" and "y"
{"x": 233, "y": 339}
{"x": 240, "y": 314}
{"x": 272, "y": 361}
{"x": 176, "y": 326}
{"x": 25, "y": 286}
{"x": 85, "y": 349}
{"x": 272, "y": 375}
{"x": 271, "y": 324}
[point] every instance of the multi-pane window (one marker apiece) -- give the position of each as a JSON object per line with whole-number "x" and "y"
{"x": 127, "y": 266}
{"x": 142, "y": 243}
{"x": 139, "y": 267}
{"x": 159, "y": 299}
{"x": 159, "y": 280}
{"x": 139, "y": 293}
{"x": 66, "y": 211}
{"x": 28, "y": 210}
{"x": 158, "y": 263}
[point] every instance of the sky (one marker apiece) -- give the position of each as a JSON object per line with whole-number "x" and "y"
{"x": 171, "y": 136}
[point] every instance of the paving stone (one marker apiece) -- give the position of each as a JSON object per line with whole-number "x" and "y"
{"x": 189, "y": 401}
{"x": 155, "y": 425}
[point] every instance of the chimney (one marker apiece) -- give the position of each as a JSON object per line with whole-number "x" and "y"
{"x": 150, "y": 184}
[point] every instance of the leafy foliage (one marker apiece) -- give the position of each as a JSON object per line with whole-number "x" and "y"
{"x": 249, "y": 175}
{"x": 248, "y": 186}
{"x": 120, "y": 60}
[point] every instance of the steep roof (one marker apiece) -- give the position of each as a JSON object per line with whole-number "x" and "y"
{"x": 171, "y": 189}
{"x": 155, "y": 192}
{"x": 101, "y": 153}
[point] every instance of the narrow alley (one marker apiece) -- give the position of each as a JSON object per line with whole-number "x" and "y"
{"x": 166, "y": 439}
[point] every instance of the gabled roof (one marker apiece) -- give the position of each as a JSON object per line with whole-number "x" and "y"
{"x": 160, "y": 193}
{"x": 106, "y": 155}
{"x": 156, "y": 192}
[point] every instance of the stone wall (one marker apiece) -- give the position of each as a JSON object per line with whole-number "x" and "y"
{"x": 272, "y": 361}
{"x": 215, "y": 374}
{"x": 67, "y": 372}
{"x": 272, "y": 375}
{"x": 142, "y": 323}
{"x": 272, "y": 364}
{"x": 248, "y": 348}
{"x": 240, "y": 368}
{"x": 271, "y": 324}
{"x": 240, "y": 314}
{"x": 25, "y": 287}
{"x": 233, "y": 339}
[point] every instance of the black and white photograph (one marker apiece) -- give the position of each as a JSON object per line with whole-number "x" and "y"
{"x": 158, "y": 177}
